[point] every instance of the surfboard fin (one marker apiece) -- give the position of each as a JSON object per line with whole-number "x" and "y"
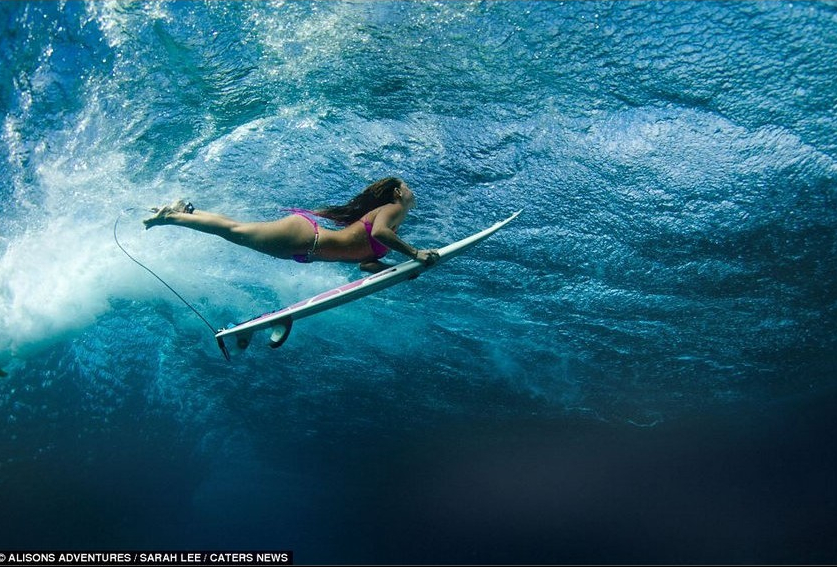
{"x": 223, "y": 348}
{"x": 280, "y": 333}
{"x": 242, "y": 341}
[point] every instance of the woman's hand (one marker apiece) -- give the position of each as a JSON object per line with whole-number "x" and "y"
{"x": 427, "y": 257}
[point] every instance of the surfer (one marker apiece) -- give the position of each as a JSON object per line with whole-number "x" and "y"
{"x": 369, "y": 224}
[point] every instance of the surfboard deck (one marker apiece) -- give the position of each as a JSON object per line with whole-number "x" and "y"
{"x": 279, "y": 322}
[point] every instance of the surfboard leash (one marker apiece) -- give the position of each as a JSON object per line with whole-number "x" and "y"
{"x": 161, "y": 280}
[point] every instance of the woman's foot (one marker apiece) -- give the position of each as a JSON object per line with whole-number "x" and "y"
{"x": 161, "y": 214}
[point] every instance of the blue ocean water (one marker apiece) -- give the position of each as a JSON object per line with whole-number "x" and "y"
{"x": 639, "y": 369}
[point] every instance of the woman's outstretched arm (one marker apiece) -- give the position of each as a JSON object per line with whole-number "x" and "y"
{"x": 389, "y": 217}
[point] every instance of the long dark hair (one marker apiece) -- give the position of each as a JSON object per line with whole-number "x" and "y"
{"x": 380, "y": 193}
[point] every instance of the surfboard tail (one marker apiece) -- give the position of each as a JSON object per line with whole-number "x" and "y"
{"x": 280, "y": 331}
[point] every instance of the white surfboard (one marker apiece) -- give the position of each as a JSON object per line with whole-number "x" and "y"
{"x": 280, "y": 321}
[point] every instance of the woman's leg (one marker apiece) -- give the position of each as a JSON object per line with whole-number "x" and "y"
{"x": 282, "y": 238}
{"x": 211, "y": 223}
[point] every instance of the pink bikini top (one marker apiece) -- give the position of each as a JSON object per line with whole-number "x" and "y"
{"x": 378, "y": 249}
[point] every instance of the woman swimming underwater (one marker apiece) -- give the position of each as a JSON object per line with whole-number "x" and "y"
{"x": 370, "y": 221}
